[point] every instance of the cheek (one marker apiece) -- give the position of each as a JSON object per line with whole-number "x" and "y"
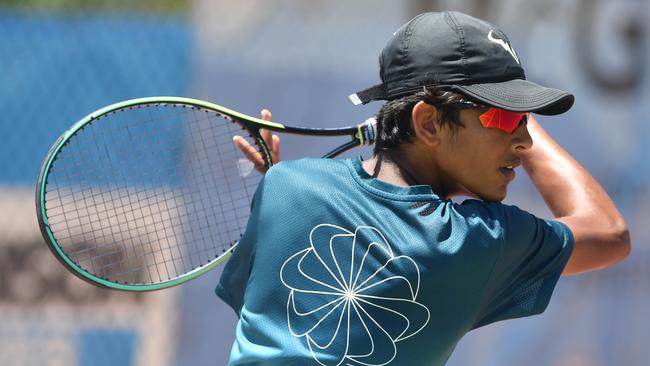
{"x": 464, "y": 164}
{"x": 471, "y": 156}
{"x": 475, "y": 165}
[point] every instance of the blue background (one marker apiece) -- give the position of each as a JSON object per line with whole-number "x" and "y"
{"x": 301, "y": 60}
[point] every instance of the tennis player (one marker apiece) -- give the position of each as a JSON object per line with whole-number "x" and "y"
{"x": 369, "y": 262}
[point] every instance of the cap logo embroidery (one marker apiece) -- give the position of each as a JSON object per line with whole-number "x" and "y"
{"x": 506, "y": 46}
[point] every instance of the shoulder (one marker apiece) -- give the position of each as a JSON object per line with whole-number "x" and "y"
{"x": 510, "y": 222}
{"x": 493, "y": 216}
{"x": 478, "y": 208}
{"x": 299, "y": 171}
{"x": 494, "y": 212}
{"x": 520, "y": 230}
{"x": 307, "y": 164}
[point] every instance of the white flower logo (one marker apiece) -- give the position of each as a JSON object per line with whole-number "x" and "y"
{"x": 351, "y": 297}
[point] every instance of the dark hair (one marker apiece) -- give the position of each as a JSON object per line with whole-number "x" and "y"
{"x": 394, "y": 126}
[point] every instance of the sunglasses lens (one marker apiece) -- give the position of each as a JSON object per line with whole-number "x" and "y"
{"x": 502, "y": 119}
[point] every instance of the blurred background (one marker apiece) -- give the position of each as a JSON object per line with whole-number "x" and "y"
{"x": 61, "y": 59}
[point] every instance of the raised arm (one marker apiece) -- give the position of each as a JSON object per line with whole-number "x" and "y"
{"x": 576, "y": 199}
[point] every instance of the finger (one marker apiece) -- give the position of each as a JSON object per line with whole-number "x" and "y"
{"x": 251, "y": 153}
{"x": 266, "y": 134}
{"x": 275, "y": 150}
{"x": 266, "y": 114}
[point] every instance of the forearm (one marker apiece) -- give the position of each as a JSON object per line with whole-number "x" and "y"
{"x": 575, "y": 198}
{"x": 567, "y": 188}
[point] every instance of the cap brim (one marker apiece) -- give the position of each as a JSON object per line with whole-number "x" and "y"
{"x": 520, "y": 96}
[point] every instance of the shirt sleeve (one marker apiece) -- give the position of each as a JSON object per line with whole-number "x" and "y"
{"x": 232, "y": 284}
{"x": 234, "y": 278}
{"x": 533, "y": 254}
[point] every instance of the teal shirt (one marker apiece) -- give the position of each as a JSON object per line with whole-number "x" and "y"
{"x": 339, "y": 268}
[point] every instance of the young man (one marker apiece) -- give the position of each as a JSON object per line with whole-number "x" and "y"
{"x": 351, "y": 262}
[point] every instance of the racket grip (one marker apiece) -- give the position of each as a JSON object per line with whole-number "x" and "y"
{"x": 368, "y": 129}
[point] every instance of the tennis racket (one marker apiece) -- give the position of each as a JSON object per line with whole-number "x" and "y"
{"x": 150, "y": 193}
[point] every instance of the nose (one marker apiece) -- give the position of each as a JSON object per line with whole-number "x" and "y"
{"x": 521, "y": 138}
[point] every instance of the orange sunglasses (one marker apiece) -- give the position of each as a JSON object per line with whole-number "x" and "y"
{"x": 499, "y": 118}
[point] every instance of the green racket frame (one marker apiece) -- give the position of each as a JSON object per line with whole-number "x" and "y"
{"x": 363, "y": 134}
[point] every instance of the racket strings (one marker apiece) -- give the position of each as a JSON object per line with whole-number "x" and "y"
{"x": 149, "y": 193}
{"x": 132, "y": 169}
{"x": 227, "y": 208}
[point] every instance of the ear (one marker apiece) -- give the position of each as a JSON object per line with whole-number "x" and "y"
{"x": 424, "y": 117}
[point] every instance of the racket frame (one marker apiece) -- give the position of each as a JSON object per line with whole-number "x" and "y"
{"x": 363, "y": 134}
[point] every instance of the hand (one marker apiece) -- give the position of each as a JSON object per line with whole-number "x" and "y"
{"x": 251, "y": 153}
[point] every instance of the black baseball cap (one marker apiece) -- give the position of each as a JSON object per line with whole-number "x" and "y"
{"x": 460, "y": 53}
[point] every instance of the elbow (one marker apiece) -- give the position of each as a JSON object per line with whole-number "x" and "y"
{"x": 616, "y": 242}
{"x": 598, "y": 248}
{"x": 621, "y": 241}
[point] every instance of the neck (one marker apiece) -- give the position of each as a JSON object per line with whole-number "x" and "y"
{"x": 395, "y": 169}
{"x": 410, "y": 168}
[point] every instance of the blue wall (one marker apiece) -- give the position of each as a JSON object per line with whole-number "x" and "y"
{"x": 55, "y": 69}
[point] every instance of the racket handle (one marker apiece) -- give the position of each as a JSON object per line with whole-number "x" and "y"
{"x": 368, "y": 129}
